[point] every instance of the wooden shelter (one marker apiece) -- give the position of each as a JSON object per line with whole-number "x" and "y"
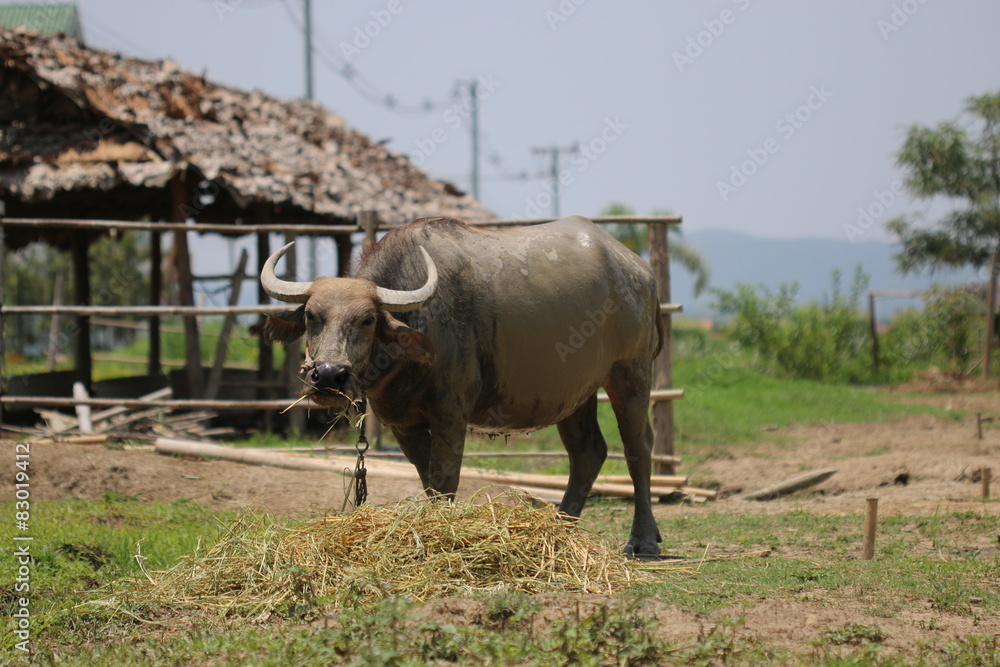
{"x": 93, "y": 135}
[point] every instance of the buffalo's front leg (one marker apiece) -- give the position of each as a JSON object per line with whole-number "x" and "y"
{"x": 436, "y": 452}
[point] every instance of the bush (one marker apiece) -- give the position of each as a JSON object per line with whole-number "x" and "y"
{"x": 946, "y": 334}
{"x": 824, "y": 340}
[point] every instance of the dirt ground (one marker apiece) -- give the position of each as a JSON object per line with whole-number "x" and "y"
{"x": 938, "y": 457}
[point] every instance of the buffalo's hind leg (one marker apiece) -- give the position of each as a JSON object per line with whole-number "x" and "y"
{"x": 587, "y": 451}
{"x": 628, "y": 390}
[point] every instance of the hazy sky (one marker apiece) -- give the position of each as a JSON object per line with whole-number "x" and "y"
{"x": 778, "y": 119}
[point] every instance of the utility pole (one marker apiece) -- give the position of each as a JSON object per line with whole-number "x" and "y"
{"x": 308, "y": 30}
{"x": 474, "y": 100}
{"x": 472, "y": 85}
{"x": 553, "y": 152}
{"x": 307, "y": 12}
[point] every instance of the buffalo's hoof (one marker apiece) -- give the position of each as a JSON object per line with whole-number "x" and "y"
{"x": 642, "y": 550}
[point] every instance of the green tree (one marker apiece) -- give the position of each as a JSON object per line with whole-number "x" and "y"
{"x": 958, "y": 162}
{"x": 635, "y": 238}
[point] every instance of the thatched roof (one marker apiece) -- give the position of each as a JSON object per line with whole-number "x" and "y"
{"x": 78, "y": 125}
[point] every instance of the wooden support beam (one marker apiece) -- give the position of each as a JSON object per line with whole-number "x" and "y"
{"x": 3, "y": 302}
{"x": 142, "y": 311}
{"x": 344, "y": 247}
{"x": 185, "y": 290}
{"x": 198, "y": 227}
{"x": 171, "y": 404}
{"x": 368, "y": 221}
{"x": 155, "y": 296}
{"x": 222, "y": 345}
{"x": 265, "y": 351}
{"x": 57, "y": 300}
{"x": 81, "y": 297}
{"x": 293, "y": 351}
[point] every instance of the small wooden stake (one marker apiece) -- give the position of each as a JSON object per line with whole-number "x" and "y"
{"x": 871, "y": 516}
{"x": 987, "y": 475}
{"x": 980, "y": 420}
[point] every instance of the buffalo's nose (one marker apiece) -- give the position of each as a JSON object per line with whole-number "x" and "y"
{"x": 330, "y": 376}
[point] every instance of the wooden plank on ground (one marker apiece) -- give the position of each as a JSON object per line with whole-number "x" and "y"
{"x": 790, "y": 485}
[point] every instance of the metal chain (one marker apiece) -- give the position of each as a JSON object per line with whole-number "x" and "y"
{"x": 360, "y": 472}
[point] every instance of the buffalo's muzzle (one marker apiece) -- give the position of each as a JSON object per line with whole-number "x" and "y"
{"x": 332, "y": 377}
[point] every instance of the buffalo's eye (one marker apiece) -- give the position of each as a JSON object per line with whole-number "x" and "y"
{"x": 310, "y": 317}
{"x": 367, "y": 321}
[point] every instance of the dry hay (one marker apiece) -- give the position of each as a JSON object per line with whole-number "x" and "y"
{"x": 416, "y": 549}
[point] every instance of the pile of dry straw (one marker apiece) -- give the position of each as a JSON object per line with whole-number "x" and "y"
{"x": 416, "y": 549}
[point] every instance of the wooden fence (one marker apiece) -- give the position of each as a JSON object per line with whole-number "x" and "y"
{"x": 662, "y": 395}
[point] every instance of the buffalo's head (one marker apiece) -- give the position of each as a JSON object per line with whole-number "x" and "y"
{"x": 353, "y": 343}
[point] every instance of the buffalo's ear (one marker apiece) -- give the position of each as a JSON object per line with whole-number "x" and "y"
{"x": 406, "y": 343}
{"x": 285, "y": 327}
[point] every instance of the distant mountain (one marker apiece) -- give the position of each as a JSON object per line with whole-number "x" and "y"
{"x": 740, "y": 258}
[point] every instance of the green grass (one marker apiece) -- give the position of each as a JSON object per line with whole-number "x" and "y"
{"x": 80, "y": 546}
{"x": 945, "y": 561}
{"x": 734, "y": 404}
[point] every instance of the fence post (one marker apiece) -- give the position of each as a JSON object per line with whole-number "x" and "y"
{"x": 873, "y": 322}
{"x": 3, "y": 303}
{"x": 185, "y": 287}
{"x": 57, "y": 300}
{"x": 663, "y": 411}
{"x": 222, "y": 344}
{"x": 293, "y": 350}
{"x": 265, "y": 352}
{"x": 368, "y": 221}
{"x": 155, "y": 296}
{"x": 81, "y": 297}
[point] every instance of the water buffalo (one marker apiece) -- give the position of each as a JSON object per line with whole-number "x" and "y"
{"x": 449, "y": 328}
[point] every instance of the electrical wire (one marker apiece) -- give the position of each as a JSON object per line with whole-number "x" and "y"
{"x": 321, "y": 48}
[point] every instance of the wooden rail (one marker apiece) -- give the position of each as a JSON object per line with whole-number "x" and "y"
{"x": 304, "y": 230}
{"x": 180, "y": 311}
{"x": 655, "y": 396}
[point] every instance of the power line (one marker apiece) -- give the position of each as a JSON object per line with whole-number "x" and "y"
{"x": 497, "y": 162}
{"x": 554, "y": 152}
{"x": 322, "y": 49}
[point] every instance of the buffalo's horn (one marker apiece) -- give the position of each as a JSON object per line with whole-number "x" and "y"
{"x": 398, "y": 301}
{"x": 279, "y": 289}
